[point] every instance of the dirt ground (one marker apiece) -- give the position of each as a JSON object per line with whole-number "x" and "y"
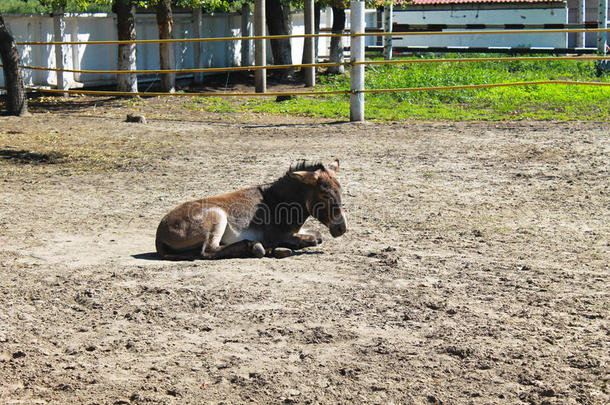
{"x": 475, "y": 268}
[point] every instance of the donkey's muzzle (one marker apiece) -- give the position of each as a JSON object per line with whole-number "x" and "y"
{"x": 338, "y": 227}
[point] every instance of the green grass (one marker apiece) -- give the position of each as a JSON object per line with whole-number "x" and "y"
{"x": 541, "y": 102}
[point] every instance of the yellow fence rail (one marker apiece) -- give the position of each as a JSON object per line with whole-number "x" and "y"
{"x": 322, "y": 35}
{"x": 305, "y": 65}
{"x": 199, "y": 70}
{"x": 313, "y": 93}
{"x": 319, "y": 93}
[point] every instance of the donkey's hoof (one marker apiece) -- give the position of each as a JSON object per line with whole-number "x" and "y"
{"x": 280, "y": 253}
{"x": 317, "y": 236}
{"x": 258, "y": 250}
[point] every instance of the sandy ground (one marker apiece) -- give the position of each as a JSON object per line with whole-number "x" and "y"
{"x": 475, "y": 268}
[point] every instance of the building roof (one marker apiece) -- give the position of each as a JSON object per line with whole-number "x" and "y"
{"x": 426, "y": 2}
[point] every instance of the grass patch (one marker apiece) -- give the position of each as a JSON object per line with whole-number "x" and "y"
{"x": 305, "y": 106}
{"x": 541, "y": 102}
{"x": 213, "y": 104}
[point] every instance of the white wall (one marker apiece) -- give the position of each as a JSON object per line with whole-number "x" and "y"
{"x": 102, "y": 27}
{"x": 33, "y": 29}
{"x": 484, "y": 16}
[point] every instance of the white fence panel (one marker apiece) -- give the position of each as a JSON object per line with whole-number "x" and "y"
{"x": 102, "y": 27}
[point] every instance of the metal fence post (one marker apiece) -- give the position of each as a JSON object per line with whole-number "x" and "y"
{"x": 602, "y": 19}
{"x": 197, "y": 18}
{"x": 356, "y": 107}
{"x": 59, "y": 28}
{"x": 260, "y": 52}
{"x": 387, "y": 27}
{"x": 309, "y": 44}
{"x": 580, "y": 19}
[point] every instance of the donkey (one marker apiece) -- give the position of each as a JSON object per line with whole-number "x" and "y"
{"x": 256, "y": 221}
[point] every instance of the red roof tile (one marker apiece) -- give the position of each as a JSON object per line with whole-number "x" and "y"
{"x": 425, "y": 2}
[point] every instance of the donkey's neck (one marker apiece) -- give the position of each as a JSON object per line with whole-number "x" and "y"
{"x": 287, "y": 202}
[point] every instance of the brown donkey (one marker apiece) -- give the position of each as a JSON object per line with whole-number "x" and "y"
{"x": 256, "y": 221}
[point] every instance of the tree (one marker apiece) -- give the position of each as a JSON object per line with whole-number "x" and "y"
{"x": 126, "y": 31}
{"x": 276, "y": 14}
{"x": 165, "y": 24}
{"x": 15, "y": 90}
{"x": 316, "y": 23}
{"x": 336, "y": 43}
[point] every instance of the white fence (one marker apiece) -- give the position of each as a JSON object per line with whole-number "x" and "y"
{"x": 102, "y": 27}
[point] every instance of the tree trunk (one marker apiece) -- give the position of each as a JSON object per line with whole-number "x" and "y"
{"x": 165, "y": 23}
{"x": 16, "y": 103}
{"x": 316, "y": 24}
{"x": 336, "y": 43}
{"x": 278, "y": 25}
{"x": 126, "y": 29}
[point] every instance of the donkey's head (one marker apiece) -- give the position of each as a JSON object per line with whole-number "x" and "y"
{"x": 324, "y": 200}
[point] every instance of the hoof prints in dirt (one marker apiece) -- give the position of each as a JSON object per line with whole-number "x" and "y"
{"x": 387, "y": 258}
{"x": 314, "y": 335}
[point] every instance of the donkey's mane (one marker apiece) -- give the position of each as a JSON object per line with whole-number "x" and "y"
{"x": 303, "y": 165}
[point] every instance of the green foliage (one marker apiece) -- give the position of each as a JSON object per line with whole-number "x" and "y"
{"x": 382, "y": 3}
{"x": 78, "y": 6}
{"x": 105, "y": 6}
{"x": 22, "y": 7}
{"x": 214, "y": 104}
{"x": 46, "y": 7}
{"x": 299, "y": 4}
{"x": 213, "y": 6}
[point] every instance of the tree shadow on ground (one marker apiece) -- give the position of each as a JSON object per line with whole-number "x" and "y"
{"x": 27, "y": 157}
{"x": 39, "y": 103}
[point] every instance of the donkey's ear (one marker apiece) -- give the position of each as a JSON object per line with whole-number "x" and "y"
{"x": 334, "y": 166}
{"x": 305, "y": 177}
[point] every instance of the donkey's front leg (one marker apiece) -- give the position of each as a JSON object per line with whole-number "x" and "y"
{"x": 298, "y": 241}
{"x": 284, "y": 246}
{"x": 316, "y": 234}
{"x": 241, "y": 249}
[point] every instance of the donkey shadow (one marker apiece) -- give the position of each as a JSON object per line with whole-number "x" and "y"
{"x": 151, "y": 256}
{"x": 154, "y": 257}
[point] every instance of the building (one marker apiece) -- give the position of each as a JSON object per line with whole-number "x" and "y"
{"x": 487, "y": 12}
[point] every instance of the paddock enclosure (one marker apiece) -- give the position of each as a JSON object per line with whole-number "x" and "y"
{"x": 474, "y": 268}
